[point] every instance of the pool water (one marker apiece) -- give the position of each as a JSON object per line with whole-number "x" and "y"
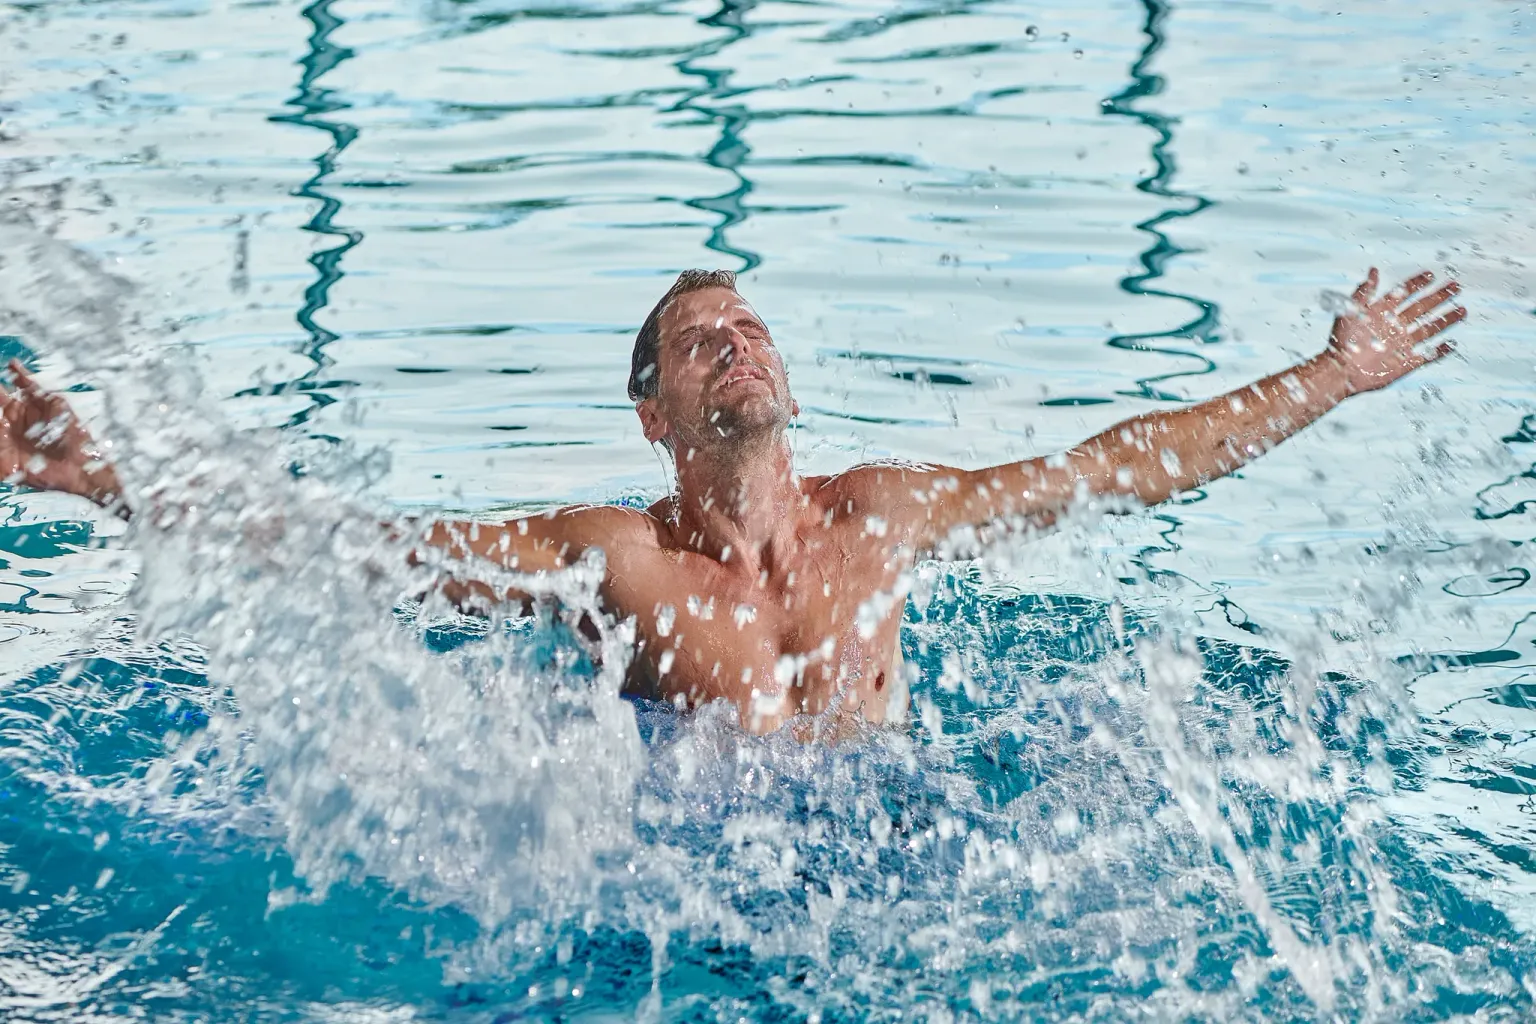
{"x": 1260, "y": 754}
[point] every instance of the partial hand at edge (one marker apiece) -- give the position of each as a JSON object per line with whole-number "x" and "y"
{"x": 44, "y": 446}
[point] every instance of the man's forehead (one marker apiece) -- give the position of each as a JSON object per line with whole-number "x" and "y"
{"x": 706, "y": 302}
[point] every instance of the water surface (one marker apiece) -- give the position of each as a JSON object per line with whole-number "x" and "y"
{"x": 979, "y": 231}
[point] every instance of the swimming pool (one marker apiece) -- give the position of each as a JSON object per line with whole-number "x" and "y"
{"x": 1260, "y": 754}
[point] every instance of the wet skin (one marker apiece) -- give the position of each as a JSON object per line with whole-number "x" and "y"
{"x": 747, "y": 585}
{"x": 777, "y": 568}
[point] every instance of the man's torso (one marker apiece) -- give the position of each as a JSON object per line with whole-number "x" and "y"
{"x": 815, "y": 629}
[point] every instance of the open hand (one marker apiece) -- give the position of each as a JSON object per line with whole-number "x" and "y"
{"x": 44, "y": 446}
{"x": 1377, "y": 342}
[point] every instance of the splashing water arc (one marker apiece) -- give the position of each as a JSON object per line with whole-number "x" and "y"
{"x": 253, "y": 768}
{"x": 370, "y": 747}
{"x": 516, "y": 791}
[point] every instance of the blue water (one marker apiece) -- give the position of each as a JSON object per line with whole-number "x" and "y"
{"x": 1261, "y": 754}
{"x": 1012, "y": 944}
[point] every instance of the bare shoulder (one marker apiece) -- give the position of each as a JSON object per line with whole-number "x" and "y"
{"x": 598, "y": 525}
{"x": 556, "y": 538}
{"x": 882, "y": 483}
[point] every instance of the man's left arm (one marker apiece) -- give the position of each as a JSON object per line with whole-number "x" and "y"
{"x": 1149, "y": 458}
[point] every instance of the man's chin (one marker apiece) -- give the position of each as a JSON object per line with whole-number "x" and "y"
{"x": 750, "y": 419}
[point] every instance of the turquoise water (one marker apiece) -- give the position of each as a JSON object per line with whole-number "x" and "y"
{"x": 1262, "y": 754}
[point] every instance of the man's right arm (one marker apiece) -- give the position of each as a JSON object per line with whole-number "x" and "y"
{"x": 44, "y": 446}
{"x": 532, "y": 545}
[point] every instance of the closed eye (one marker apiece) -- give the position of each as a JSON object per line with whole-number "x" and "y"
{"x": 753, "y": 329}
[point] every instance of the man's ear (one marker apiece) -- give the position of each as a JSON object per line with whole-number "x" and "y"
{"x": 654, "y": 426}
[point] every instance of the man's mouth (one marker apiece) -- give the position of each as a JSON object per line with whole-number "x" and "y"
{"x": 737, "y": 374}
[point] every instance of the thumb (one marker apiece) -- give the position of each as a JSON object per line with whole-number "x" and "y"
{"x": 1367, "y": 289}
{"x": 20, "y": 377}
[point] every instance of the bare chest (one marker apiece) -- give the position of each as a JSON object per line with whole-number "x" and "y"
{"x": 818, "y": 632}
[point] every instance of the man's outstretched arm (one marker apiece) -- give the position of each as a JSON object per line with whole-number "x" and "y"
{"x": 45, "y": 446}
{"x": 1151, "y": 457}
{"x": 531, "y": 545}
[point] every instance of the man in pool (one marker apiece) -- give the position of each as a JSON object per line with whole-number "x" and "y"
{"x": 782, "y": 594}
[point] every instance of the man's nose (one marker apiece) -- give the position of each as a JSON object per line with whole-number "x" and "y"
{"x": 733, "y": 345}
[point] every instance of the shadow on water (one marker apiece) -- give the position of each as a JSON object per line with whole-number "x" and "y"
{"x": 313, "y": 103}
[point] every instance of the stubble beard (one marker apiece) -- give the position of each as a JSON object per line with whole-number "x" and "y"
{"x": 747, "y": 428}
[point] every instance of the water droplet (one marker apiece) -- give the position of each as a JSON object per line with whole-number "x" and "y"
{"x": 1032, "y": 32}
{"x": 1077, "y": 54}
{"x": 783, "y": 83}
{"x": 1337, "y": 303}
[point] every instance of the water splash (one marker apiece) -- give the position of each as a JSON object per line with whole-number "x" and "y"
{"x": 452, "y": 777}
{"x": 1094, "y": 813}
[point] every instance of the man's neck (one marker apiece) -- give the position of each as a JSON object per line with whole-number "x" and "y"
{"x": 736, "y": 503}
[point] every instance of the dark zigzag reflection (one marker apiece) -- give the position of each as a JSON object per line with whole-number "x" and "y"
{"x": 731, "y": 152}
{"x": 313, "y": 103}
{"x": 1154, "y": 259}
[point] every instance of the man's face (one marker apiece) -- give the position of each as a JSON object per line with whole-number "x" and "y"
{"x": 721, "y": 378}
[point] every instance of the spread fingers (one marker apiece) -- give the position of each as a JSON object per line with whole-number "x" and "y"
{"x": 1395, "y": 297}
{"x": 1418, "y": 308}
{"x": 1430, "y": 328}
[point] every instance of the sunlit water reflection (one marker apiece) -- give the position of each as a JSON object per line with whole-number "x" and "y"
{"x": 1261, "y": 754}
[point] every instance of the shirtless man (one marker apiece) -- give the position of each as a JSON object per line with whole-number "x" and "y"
{"x": 783, "y": 594}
